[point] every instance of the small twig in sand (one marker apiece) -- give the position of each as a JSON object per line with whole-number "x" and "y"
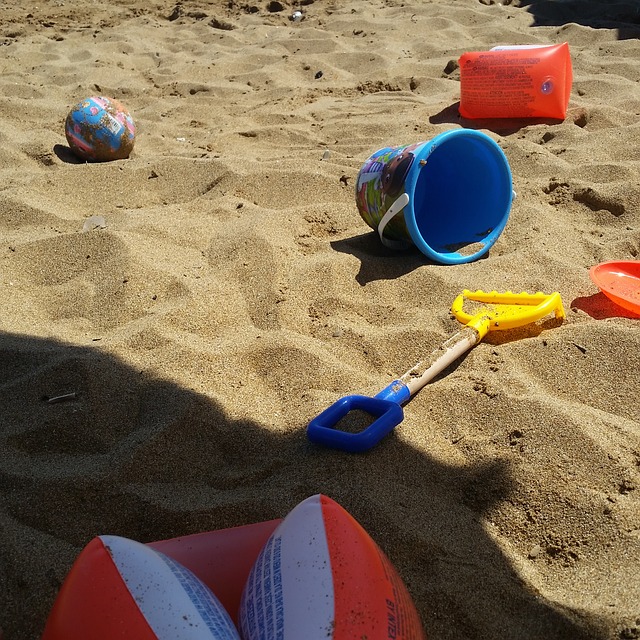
{"x": 63, "y": 398}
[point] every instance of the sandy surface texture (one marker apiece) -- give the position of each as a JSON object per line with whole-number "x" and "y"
{"x": 234, "y": 292}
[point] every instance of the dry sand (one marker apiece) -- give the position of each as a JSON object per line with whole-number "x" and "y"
{"x": 236, "y": 292}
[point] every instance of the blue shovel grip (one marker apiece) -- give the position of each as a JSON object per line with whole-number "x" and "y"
{"x": 397, "y": 392}
{"x": 322, "y": 429}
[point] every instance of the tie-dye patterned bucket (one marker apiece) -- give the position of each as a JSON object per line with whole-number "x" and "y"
{"x": 450, "y": 196}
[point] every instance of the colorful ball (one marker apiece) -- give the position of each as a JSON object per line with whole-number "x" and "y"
{"x": 100, "y": 129}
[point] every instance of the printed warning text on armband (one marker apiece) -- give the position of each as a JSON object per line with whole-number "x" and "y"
{"x": 265, "y": 587}
{"x": 201, "y": 598}
{"x": 263, "y": 614}
{"x": 499, "y": 81}
{"x": 503, "y": 89}
{"x": 392, "y": 620}
{"x": 401, "y": 624}
{"x": 267, "y": 593}
{"x": 277, "y": 589}
{"x": 491, "y": 59}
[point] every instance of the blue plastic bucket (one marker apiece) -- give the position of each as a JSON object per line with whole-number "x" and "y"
{"x": 450, "y": 196}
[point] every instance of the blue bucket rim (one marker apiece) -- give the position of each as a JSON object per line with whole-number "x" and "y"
{"x": 422, "y": 153}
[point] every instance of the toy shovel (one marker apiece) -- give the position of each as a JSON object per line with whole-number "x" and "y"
{"x": 494, "y": 311}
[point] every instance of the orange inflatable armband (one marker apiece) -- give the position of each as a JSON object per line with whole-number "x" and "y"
{"x": 527, "y": 81}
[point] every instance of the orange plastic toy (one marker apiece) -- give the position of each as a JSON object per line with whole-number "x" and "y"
{"x": 619, "y": 280}
{"x": 527, "y": 81}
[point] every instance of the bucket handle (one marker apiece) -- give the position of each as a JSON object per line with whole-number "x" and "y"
{"x": 392, "y": 211}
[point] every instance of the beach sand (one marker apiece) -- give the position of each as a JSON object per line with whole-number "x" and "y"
{"x": 236, "y": 292}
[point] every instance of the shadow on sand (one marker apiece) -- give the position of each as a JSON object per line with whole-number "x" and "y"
{"x": 621, "y": 15}
{"x": 133, "y": 455}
